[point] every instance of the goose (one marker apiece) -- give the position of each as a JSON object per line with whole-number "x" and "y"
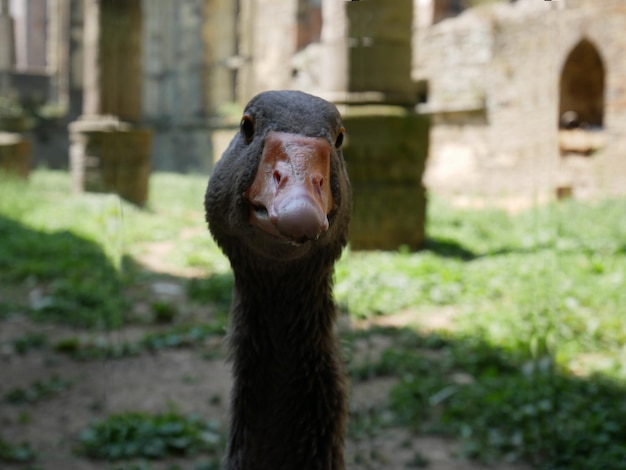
{"x": 278, "y": 205}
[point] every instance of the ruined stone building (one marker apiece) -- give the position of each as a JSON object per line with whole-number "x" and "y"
{"x": 524, "y": 97}
{"x": 196, "y": 61}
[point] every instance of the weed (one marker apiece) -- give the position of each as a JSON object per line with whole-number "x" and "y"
{"x": 67, "y": 345}
{"x": 132, "y": 435}
{"x": 177, "y": 337}
{"x": 98, "y": 349}
{"x": 183, "y": 336}
{"x": 29, "y": 342}
{"x": 418, "y": 461}
{"x": 217, "y": 288}
{"x": 39, "y": 390}
{"x": 16, "y": 453}
{"x": 164, "y": 312}
{"x": 503, "y": 407}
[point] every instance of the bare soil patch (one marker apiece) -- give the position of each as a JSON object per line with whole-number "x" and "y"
{"x": 185, "y": 379}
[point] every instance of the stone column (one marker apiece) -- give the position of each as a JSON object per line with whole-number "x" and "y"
{"x": 267, "y": 32}
{"x": 92, "y": 89}
{"x": 366, "y": 63}
{"x": 58, "y": 51}
{"x": 14, "y": 148}
{"x": 108, "y": 151}
{"x": 7, "y": 52}
{"x": 222, "y": 58}
{"x": 227, "y": 75}
{"x": 367, "y": 51}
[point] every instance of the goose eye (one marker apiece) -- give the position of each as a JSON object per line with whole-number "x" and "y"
{"x": 339, "y": 140}
{"x": 247, "y": 128}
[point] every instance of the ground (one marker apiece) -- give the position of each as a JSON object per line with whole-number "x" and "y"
{"x": 190, "y": 379}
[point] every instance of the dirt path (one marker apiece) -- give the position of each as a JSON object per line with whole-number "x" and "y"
{"x": 155, "y": 382}
{"x": 186, "y": 379}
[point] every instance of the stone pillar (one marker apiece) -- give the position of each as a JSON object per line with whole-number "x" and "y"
{"x": 14, "y": 154}
{"x": 366, "y": 49}
{"x": 267, "y": 44}
{"x": 14, "y": 148}
{"x": 223, "y": 61}
{"x": 58, "y": 52}
{"x": 92, "y": 90}
{"x": 367, "y": 46}
{"x": 7, "y": 51}
{"x": 227, "y": 74}
{"x": 108, "y": 151}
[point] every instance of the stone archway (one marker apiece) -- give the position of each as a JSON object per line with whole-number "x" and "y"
{"x": 581, "y": 119}
{"x": 581, "y": 88}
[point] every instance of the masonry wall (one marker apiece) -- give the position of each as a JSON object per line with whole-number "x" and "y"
{"x": 522, "y": 101}
{"x": 513, "y": 56}
{"x": 174, "y": 92}
{"x": 268, "y": 30}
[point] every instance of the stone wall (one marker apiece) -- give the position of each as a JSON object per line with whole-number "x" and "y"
{"x": 506, "y": 61}
{"x": 175, "y": 102}
{"x": 268, "y": 30}
{"x": 520, "y": 98}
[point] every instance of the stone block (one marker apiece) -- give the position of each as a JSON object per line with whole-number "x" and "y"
{"x": 385, "y": 217}
{"x": 385, "y": 144}
{"x": 367, "y": 46}
{"x": 382, "y": 67}
{"x": 14, "y": 154}
{"x": 385, "y": 153}
{"x": 111, "y": 160}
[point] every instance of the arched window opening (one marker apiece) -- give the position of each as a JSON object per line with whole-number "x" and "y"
{"x": 581, "y": 88}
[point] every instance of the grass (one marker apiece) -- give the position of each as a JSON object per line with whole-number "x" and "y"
{"x": 531, "y": 365}
{"x": 501, "y": 406}
{"x": 16, "y": 453}
{"x": 546, "y": 281}
{"x": 179, "y": 336}
{"x": 132, "y": 435}
{"x": 38, "y": 391}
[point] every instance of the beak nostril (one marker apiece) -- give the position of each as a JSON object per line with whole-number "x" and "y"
{"x": 277, "y": 177}
{"x": 318, "y": 183}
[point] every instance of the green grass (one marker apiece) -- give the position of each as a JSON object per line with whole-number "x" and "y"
{"x": 532, "y": 367}
{"x": 502, "y": 406}
{"x": 16, "y": 453}
{"x": 180, "y": 336}
{"x": 546, "y": 281}
{"x": 76, "y": 250}
{"x": 535, "y": 366}
{"x": 38, "y": 391}
{"x": 133, "y": 435}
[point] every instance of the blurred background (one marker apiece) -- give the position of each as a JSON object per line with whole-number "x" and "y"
{"x": 482, "y": 293}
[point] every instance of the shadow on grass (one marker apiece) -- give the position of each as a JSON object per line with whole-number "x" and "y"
{"x": 500, "y": 405}
{"x": 69, "y": 278}
{"x": 448, "y": 249}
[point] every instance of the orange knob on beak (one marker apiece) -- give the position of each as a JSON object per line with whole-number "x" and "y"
{"x": 290, "y": 194}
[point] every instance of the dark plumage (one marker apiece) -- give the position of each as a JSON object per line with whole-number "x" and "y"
{"x": 278, "y": 205}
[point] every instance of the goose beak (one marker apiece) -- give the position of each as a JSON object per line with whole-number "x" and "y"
{"x": 290, "y": 196}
